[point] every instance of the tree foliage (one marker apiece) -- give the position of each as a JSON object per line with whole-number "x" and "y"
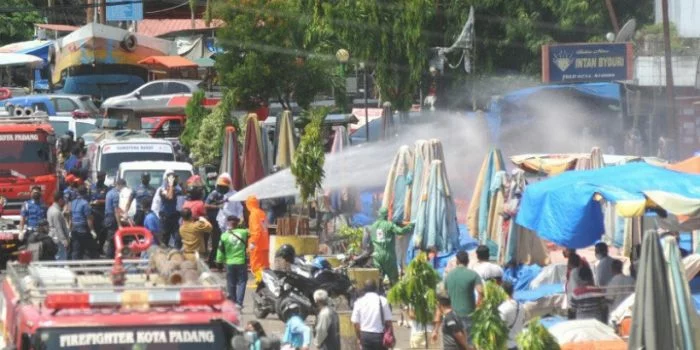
{"x": 274, "y": 50}
{"x": 391, "y": 36}
{"x": 489, "y": 331}
{"x": 210, "y": 136}
{"x": 195, "y": 112}
{"x": 18, "y": 25}
{"x": 417, "y": 288}
{"x": 307, "y": 166}
{"x": 536, "y": 337}
{"x": 509, "y": 34}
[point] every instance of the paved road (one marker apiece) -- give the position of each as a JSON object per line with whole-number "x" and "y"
{"x": 273, "y": 325}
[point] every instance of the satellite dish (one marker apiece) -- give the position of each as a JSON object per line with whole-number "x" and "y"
{"x": 627, "y": 32}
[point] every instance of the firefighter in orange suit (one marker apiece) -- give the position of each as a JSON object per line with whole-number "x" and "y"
{"x": 259, "y": 241}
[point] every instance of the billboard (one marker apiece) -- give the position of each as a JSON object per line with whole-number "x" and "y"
{"x": 587, "y": 62}
{"x": 124, "y": 10}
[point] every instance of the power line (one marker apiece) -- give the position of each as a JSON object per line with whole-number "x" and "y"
{"x": 168, "y": 9}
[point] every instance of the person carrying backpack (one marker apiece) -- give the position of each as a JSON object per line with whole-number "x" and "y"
{"x": 232, "y": 252}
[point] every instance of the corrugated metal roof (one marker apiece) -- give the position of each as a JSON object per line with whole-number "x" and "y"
{"x": 159, "y": 27}
{"x": 651, "y": 70}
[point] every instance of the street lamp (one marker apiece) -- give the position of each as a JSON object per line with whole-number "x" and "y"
{"x": 343, "y": 56}
{"x": 364, "y": 82}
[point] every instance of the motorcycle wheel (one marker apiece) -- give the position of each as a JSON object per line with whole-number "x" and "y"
{"x": 259, "y": 311}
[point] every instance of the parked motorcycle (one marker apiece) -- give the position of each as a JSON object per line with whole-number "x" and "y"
{"x": 298, "y": 284}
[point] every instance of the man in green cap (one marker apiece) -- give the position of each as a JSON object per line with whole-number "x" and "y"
{"x": 382, "y": 234}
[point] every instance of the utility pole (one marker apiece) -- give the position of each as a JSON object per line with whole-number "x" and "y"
{"x": 613, "y": 16}
{"x": 103, "y": 11}
{"x": 90, "y": 11}
{"x": 671, "y": 124}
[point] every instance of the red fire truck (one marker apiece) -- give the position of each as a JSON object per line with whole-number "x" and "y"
{"x": 27, "y": 159}
{"x": 115, "y": 304}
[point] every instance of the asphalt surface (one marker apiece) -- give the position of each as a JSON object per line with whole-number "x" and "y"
{"x": 273, "y": 325}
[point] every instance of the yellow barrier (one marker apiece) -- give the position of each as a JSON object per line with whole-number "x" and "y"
{"x": 358, "y": 276}
{"x": 348, "y": 341}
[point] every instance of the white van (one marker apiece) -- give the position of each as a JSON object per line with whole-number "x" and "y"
{"x": 132, "y": 171}
{"x": 110, "y": 153}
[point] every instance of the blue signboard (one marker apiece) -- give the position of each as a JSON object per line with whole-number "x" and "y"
{"x": 124, "y": 10}
{"x": 587, "y": 62}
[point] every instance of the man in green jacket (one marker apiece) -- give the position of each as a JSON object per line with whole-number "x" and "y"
{"x": 383, "y": 236}
{"x": 232, "y": 252}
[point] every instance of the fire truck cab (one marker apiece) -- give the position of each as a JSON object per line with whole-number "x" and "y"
{"x": 27, "y": 159}
{"x": 77, "y": 305}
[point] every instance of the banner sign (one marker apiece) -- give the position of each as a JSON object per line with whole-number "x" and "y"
{"x": 587, "y": 62}
{"x": 172, "y": 337}
{"x": 18, "y": 137}
{"x": 124, "y": 10}
{"x": 137, "y": 148}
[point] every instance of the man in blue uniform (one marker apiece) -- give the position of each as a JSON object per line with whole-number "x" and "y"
{"x": 98, "y": 194}
{"x": 112, "y": 216}
{"x": 169, "y": 215}
{"x": 143, "y": 190}
{"x": 71, "y": 191}
{"x": 32, "y": 212}
{"x": 83, "y": 244}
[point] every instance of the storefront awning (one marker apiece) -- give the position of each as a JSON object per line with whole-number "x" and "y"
{"x": 169, "y": 62}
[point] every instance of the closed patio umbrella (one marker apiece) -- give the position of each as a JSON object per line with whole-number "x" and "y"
{"x": 253, "y": 168}
{"x": 231, "y": 158}
{"x": 652, "y": 318}
{"x": 284, "y": 143}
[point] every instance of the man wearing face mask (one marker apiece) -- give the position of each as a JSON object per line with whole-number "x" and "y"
{"x": 143, "y": 190}
{"x": 218, "y": 209}
{"x": 98, "y": 194}
{"x": 32, "y": 212}
{"x": 169, "y": 215}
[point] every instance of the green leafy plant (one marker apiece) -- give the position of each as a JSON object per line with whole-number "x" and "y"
{"x": 195, "y": 112}
{"x": 353, "y": 237}
{"x": 536, "y": 337}
{"x": 417, "y": 288}
{"x": 309, "y": 157}
{"x": 489, "y": 331}
{"x": 210, "y": 136}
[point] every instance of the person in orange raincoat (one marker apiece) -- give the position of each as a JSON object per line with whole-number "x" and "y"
{"x": 259, "y": 241}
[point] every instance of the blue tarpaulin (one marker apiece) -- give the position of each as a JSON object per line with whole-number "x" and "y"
{"x": 610, "y": 91}
{"x": 562, "y": 209}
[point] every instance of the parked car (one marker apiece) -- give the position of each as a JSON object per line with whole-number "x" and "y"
{"x": 79, "y": 127}
{"x": 154, "y": 94}
{"x": 54, "y": 105}
{"x": 163, "y": 127}
{"x": 109, "y": 153}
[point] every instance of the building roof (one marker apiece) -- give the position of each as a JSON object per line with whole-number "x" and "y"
{"x": 651, "y": 70}
{"x": 57, "y": 27}
{"x": 160, "y": 27}
{"x": 168, "y": 62}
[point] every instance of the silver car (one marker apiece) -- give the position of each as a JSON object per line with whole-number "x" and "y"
{"x": 154, "y": 94}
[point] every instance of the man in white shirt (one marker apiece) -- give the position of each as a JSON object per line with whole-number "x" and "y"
{"x": 603, "y": 269}
{"x": 620, "y": 286}
{"x": 513, "y": 314}
{"x": 487, "y": 270}
{"x": 367, "y": 315}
